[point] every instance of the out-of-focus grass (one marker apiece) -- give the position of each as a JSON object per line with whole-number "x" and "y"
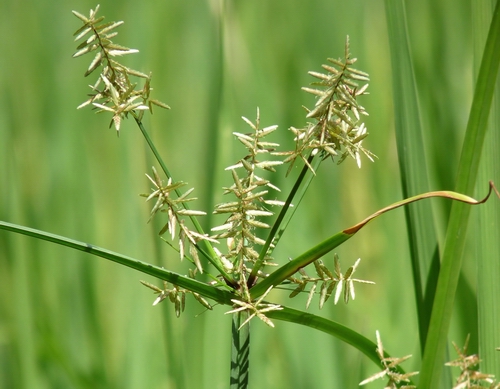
{"x": 487, "y": 218}
{"x": 70, "y": 320}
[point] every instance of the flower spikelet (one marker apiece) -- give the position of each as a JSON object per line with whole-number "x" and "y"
{"x": 251, "y": 204}
{"x": 470, "y": 377}
{"x": 113, "y": 91}
{"x": 328, "y": 282}
{"x": 256, "y": 308}
{"x": 167, "y": 202}
{"x": 396, "y": 379}
{"x": 176, "y": 295}
{"x": 337, "y": 130}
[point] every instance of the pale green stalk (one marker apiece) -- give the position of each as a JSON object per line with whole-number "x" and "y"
{"x": 211, "y": 255}
{"x": 240, "y": 351}
{"x": 276, "y": 233}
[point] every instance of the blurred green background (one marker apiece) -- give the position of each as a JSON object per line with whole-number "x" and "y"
{"x": 69, "y": 320}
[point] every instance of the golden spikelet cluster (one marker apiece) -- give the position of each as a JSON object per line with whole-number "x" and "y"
{"x": 251, "y": 204}
{"x": 114, "y": 90}
{"x": 337, "y": 129}
{"x": 328, "y": 282}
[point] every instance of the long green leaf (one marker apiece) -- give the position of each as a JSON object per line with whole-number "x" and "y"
{"x": 221, "y": 296}
{"x": 432, "y": 363}
{"x": 411, "y": 155}
{"x": 345, "y": 334}
{"x": 287, "y": 270}
{"x": 487, "y": 221}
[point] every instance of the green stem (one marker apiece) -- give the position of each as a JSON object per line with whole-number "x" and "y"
{"x": 210, "y": 255}
{"x": 300, "y": 195}
{"x": 240, "y": 351}
{"x": 258, "y": 264}
{"x": 153, "y": 148}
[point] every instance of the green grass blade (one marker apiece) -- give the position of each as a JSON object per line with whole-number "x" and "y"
{"x": 488, "y": 264}
{"x": 209, "y": 291}
{"x": 285, "y": 271}
{"x": 455, "y": 238}
{"x": 316, "y": 252}
{"x": 345, "y": 334}
{"x": 214, "y": 130}
{"x": 486, "y": 234}
{"x": 412, "y": 163}
{"x": 363, "y": 344}
{"x": 240, "y": 351}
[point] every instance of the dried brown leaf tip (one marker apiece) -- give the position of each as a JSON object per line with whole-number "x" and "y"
{"x": 337, "y": 129}
{"x": 390, "y": 371}
{"x": 470, "y": 377}
{"x": 113, "y": 91}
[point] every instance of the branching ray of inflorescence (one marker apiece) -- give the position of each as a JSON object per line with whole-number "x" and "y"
{"x": 334, "y": 130}
{"x": 115, "y": 92}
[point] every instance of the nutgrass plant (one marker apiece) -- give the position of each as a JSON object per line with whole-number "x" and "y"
{"x": 244, "y": 286}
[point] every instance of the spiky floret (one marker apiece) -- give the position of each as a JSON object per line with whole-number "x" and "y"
{"x": 328, "y": 282}
{"x": 337, "y": 130}
{"x": 173, "y": 207}
{"x": 251, "y": 204}
{"x": 113, "y": 91}
{"x": 470, "y": 377}
{"x": 390, "y": 365}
